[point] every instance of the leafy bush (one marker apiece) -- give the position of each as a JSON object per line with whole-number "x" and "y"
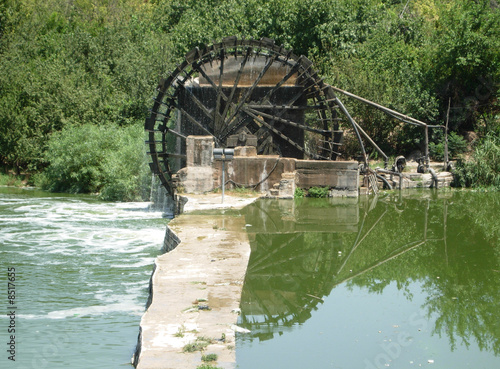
{"x": 10, "y": 180}
{"x": 456, "y": 146}
{"x": 299, "y": 193}
{"x": 483, "y": 168}
{"x": 109, "y": 160}
{"x": 318, "y": 192}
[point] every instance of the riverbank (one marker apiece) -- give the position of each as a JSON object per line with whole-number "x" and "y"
{"x": 195, "y": 289}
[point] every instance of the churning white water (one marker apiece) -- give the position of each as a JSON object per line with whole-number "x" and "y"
{"x": 82, "y": 270}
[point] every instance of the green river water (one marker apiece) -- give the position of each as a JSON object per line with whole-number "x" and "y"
{"x": 395, "y": 281}
{"x": 401, "y": 281}
{"x": 82, "y": 270}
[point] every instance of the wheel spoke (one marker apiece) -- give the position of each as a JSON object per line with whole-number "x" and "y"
{"x": 286, "y": 138}
{"x": 198, "y": 103}
{"x": 229, "y": 102}
{"x": 193, "y": 120}
{"x": 198, "y": 68}
{"x": 286, "y": 121}
{"x": 237, "y": 126}
{"x": 248, "y": 93}
{"x": 217, "y": 116}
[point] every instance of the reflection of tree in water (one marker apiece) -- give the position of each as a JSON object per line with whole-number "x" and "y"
{"x": 371, "y": 244}
{"x": 466, "y": 297}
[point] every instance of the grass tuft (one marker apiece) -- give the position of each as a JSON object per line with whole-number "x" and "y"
{"x": 199, "y": 345}
{"x": 209, "y": 357}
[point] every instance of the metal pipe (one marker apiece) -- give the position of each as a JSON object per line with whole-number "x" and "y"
{"x": 383, "y": 179}
{"x": 434, "y": 178}
{"x": 223, "y": 180}
{"x": 445, "y": 164}
{"x": 383, "y": 108}
{"x": 393, "y": 173}
{"x": 427, "y": 147}
{"x": 386, "y": 159}
{"x": 355, "y": 126}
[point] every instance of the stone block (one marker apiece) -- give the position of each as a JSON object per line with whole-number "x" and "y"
{"x": 287, "y": 186}
{"x": 196, "y": 179}
{"x": 199, "y": 151}
{"x": 326, "y": 165}
{"x": 338, "y": 175}
{"x": 245, "y": 151}
{"x": 262, "y": 170}
{"x": 241, "y": 139}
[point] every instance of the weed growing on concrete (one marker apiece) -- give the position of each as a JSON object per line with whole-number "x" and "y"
{"x": 209, "y": 357}
{"x": 243, "y": 192}
{"x": 207, "y": 366}
{"x": 180, "y": 331}
{"x": 199, "y": 345}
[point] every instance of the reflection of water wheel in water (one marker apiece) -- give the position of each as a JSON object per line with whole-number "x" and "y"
{"x": 241, "y": 91}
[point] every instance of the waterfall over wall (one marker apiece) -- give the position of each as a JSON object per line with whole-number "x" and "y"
{"x": 160, "y": 199}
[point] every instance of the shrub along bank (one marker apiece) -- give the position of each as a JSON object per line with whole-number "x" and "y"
{"x": 109, "y": 160}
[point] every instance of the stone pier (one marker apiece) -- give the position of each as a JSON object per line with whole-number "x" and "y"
{"x": 196, "y": 289}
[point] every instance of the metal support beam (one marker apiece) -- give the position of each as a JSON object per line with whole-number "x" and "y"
{"x": 383, "y": 108}
{"x": 355, "y": 127}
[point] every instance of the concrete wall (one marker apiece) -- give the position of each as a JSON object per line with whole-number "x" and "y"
{"x": 197, "y": 176}
{"x": 276, "y": 175}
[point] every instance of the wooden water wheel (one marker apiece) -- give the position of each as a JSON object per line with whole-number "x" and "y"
{"x": 242, "y": 88}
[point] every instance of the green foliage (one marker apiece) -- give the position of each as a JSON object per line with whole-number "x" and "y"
{"x": 318, "y": 192}
{"x": 10, "y": 180}
{"x": 80, "y": 63}
{"x": 72, "y": 65}
{"x": 207, "y": 366}
{"x": 464, "y": 59}
{"x": 97, "y": 159}
{"x": 299, "y": 193}
{"x": 456, "y": 146}
{"x": 209, "y": 357}
{"x": 199, "y": 345}
{"x": 482, "y": 170}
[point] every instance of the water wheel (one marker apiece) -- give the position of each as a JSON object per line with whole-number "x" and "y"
{"x": 241, "y": 89}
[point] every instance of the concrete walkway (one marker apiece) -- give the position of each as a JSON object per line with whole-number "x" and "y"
{"x": 196, "y": 289}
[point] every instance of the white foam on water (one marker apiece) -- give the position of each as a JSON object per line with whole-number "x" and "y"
{"x": 141, "y": 263}
{"x": 59, "y": 227}
{"x": 81, "y": 240}
{"x": 84, "y": 311}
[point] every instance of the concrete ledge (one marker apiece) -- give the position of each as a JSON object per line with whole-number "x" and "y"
{"x": 326, "y": 164}
{"x": 195, "y": 292}
{"x": 341, "y": 175}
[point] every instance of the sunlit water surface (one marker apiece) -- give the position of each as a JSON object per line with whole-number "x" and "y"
{"x": 82, "y": 274}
